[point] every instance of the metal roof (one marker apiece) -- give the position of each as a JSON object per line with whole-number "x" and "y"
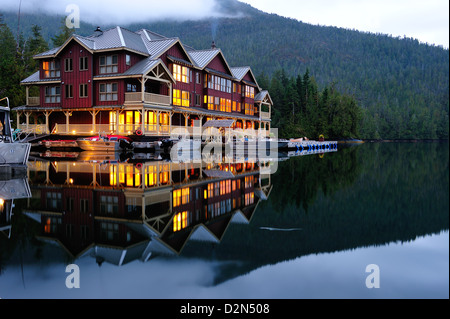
{"x": 240, "y": 72}
{"x": 35, "y": 78}
{"x": 203, "y": 57}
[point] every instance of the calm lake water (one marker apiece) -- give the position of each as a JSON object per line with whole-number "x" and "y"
{"x": 158, "y": 229}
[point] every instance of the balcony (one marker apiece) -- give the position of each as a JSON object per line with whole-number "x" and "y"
{"x": 150, "y": 98}
{"x": 265, "y": 115}
{"x": 33, "y": 101}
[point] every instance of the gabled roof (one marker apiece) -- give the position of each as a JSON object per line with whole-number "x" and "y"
{"x": 262, "y": 95}
{"x": 204, "y": 57}
{"x": 240, "y": 72}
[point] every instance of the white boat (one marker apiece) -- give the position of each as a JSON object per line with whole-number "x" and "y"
{"x": 105, "y": 143}
{"x": 11, "y": 152}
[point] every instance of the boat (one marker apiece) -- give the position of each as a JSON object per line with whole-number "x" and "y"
{"x": 108, "y": 143}
{"x": 50, "y": 144}
{"x": 12, "y": 152}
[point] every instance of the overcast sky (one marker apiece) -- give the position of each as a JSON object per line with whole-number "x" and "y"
{"x": 427, "y": 21}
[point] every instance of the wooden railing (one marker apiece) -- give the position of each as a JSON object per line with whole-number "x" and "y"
{"x": 33, "y": 101}
{"x": 265, "y": 115}
{"x": 136, "y": 97}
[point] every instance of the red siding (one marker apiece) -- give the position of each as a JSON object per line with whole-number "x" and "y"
{"x": 120, "y": 93}
{"x": 218, "y": 64}
{"x": 76, "y": 77}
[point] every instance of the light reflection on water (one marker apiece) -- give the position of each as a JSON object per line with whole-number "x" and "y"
{"x": 335, "y": 231}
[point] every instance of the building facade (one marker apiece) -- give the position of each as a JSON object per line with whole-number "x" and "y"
{"x": 123, "y": 82}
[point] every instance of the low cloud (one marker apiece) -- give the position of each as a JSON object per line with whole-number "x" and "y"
{"x": 121, "y": 12}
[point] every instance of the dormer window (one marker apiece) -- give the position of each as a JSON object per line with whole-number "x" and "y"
{"x": 51, "y": 69}
{"x": 108, "y": 64}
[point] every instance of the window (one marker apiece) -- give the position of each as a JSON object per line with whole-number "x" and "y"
{"x": 127, "y": 59}
{"x": 84, "y": 205}
{"x": 217, "y": 83}
{"x": 83, "y": 63}
{"x": 69, "y": 230}
{"x": 52, "y": 94}
{"x": 69, "y": 204}
{"x": 249, "y": 109}
{"x": 209, "y": 101}
{"x": 181, "y": 197}
{"x": 68, "y": 65}
{"x": 197, "y": 78}
{"x": 181, "y": 221}
{"x": 84, "y": 232}
{"x": 249, "y": 92}
{"x": 109, "y": 205}
{"x": 108, "y": 91}
{"x": 54, "y": 201}
{"x": 51, "y": 69}
{"x": 198, "y": 100}
{"x": 83, "y": 90}
{"x": 131, "y": 87}
{"x": 69, "y": 91}
{"x": 181, "y": 98}
{"x": 109, "y": 231}
{"x": 181, "y": 73}
{"x": 108, "y": 64}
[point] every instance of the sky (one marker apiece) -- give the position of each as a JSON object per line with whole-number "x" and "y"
{"x": 427, "y": 21}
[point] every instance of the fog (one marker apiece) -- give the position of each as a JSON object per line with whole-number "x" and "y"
{"x": 120, "y": 12}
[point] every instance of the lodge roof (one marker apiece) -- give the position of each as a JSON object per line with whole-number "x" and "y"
{"x": 147, "y": 43}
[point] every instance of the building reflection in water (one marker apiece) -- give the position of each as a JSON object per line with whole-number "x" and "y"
{"x": 121, "y": 211}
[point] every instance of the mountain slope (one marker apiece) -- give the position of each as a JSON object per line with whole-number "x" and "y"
{"x": 397, "y": 81}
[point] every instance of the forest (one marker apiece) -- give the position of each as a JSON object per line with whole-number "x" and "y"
{"x": 362, "y": 85}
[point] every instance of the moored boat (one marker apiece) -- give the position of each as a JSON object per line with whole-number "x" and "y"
{"x": 108, "y": 143}
{"x": 12, "y": 152}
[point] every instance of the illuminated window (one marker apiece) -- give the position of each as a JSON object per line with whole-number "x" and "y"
{"x": 180, "y": 221}
{"x": 181, "y": 197}
{"x": 249, "y": 181}
{"x": 249, "y": 199}
{"x": 108, "y": 64}
{"x": 112, "y": 175}
{"x": 181, "y": 73}
{"x": 249, "y": 109}
{"x": 51, "y": 69}
{"x": 150, "y": 176}
{"x": 249, "y": 92}
{"x": 181, "y": 98}
{"x": 112, "y": 121}
{"x": 210, "y": 190}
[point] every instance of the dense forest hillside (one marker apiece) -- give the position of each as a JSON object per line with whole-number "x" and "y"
{"x": 401, "y": 85}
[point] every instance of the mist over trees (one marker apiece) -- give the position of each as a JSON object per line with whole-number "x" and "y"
{"x": 386, "y": 87}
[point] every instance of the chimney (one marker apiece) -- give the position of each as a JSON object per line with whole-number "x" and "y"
{"x": 98, "y": 32}
{"x": 213, "y": 45}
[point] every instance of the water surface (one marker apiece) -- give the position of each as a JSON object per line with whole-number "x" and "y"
{"x": 168, "y": 230}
